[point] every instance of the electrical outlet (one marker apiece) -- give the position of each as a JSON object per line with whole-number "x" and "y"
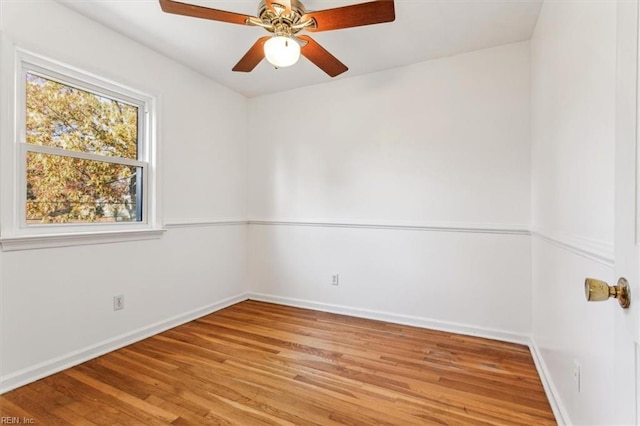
{"x": 576, "y": 374}
{"x": 118, "y": 302}
{"x": 335, "y": 279}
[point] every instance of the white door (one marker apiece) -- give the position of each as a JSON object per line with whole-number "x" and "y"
{"x": 627, "y": 223}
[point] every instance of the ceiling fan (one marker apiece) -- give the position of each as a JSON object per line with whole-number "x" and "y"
{"x": 285, "y": 19}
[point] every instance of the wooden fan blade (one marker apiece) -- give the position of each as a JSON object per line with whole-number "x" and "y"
{"x": 252, "y": 58}
{"x": 373, "y": 12}
{"x": 285, "y": 3}
{"x": 177, "y": 8}
{"x": 321, "y": 58}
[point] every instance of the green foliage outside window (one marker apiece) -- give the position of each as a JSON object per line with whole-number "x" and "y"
{"x": 64, "y": 189}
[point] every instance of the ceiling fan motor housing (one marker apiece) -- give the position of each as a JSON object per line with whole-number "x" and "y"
{"x": 277, "y": 20}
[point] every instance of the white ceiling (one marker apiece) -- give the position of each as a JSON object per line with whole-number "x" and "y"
{"x": 423, "y": 29}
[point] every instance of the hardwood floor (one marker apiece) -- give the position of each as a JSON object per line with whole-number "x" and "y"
{"x": 259, "y": 363}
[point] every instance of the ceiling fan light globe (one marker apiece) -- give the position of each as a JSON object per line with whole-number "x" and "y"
{"x": 282, "y": 51}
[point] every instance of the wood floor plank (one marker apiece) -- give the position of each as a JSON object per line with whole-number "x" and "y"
{"x": 257, "y": 363}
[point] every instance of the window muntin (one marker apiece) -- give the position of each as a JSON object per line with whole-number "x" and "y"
{"x": 84, "y": 153}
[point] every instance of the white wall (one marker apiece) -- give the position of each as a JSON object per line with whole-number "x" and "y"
{"x": 573, "y": 137}
{"x": 441, "y": 141}
{"x": 442, "y": 147}
{"x": 56, "y": 304}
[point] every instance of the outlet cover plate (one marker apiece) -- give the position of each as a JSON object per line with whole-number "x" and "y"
{"x": 118, "y": 302}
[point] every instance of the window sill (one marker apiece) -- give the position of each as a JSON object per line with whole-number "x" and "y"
{"x": 32, "y": 242}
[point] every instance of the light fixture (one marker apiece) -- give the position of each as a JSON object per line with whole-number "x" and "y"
{"x": 282, "y": 51}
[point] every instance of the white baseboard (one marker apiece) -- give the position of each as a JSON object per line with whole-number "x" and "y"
{"x": 38, "y": 371}
{"x": 432, "y": 324}
{"x": 559, "y": 411}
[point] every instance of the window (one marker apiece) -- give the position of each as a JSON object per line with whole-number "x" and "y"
{"x": 85, "y": 156}
{"x": 82, "y": 162}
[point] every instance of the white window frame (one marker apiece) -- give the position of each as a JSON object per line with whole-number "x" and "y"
{"x": 15, "y": 233}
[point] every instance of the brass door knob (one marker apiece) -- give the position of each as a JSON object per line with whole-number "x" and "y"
{"x": 597, "y": 291}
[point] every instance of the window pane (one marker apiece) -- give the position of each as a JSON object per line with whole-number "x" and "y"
{"x": 65, "y": 117}
{"x": 72, "y": 190}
